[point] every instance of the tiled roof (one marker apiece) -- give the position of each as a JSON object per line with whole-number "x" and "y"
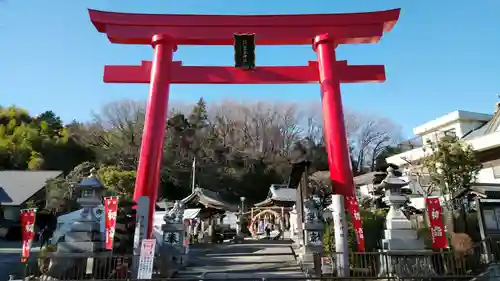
{"x": 489, "y": 127}
{"x": 210, "y": 199}
{"x": 19, "y": 186}
{"x": 282, "y": 193}
{"x": 366, "y": 179}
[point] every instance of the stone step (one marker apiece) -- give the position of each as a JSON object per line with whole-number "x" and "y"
{"x": 265, "y": 259}
{"x": 281, "y": 272}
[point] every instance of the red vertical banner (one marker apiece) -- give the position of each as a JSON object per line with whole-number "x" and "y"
{"x": 110, "y": 212}
{"x": 357, "y": 222}
{"x": 28, "y": 231}
{"x": 435, "y": 213}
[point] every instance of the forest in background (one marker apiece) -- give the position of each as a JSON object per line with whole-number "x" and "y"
{"x": 241, "y": 148}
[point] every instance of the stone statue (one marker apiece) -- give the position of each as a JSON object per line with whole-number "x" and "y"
{"x": 176, "y": 214}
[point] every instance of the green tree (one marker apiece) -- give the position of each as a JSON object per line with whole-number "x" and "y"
{"x": 373, "y": 226}
{"x": 387, "y": 151}
{"x": 452, "y": 164}
{"x": 118, "y": 181}
{"x": 39, "y": 143}
{"x": 199, "y": 116}
{"x": 52, "y": 122}
{"x": 60, "y": 191}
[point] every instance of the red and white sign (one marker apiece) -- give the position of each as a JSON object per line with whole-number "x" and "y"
{"x": 146, "y": 259}
{"x": 110, "y": 212}
{"x": 357, "y": 222}
{"x": 28, "y": 217}
{"x": 436, "y": 224}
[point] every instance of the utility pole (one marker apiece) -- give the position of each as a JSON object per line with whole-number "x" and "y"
{"x": 193, "y": 184}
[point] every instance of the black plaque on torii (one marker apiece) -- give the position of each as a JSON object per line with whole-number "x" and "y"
{"x": 244, "y": 51}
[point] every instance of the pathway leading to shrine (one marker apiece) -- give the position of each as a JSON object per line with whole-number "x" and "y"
{"x": 258, "y": 259}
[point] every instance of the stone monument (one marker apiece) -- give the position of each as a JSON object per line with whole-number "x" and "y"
{"x": 406, "y": 254}
{"x": 313, "y": 229}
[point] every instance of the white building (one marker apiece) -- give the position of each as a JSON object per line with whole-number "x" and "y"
{"x": 481, "y": 131}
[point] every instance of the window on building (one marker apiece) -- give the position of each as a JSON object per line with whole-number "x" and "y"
{"x": 496, "y": 172}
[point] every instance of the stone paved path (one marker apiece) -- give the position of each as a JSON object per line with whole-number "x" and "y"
{"x": 252, "y": 259}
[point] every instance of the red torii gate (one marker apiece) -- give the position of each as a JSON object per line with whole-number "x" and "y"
{"x": 166, "y": 32}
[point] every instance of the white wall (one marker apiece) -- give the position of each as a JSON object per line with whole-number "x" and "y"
{"x": 230, "y": 219}
{"x": 462, "y": 122}
{"x": 486, "y": 176}
{"x": 473, "y": 119}
{"x": 460, "y": 127}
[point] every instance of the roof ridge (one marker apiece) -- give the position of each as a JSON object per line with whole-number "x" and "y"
{"x": 494, "y": 123}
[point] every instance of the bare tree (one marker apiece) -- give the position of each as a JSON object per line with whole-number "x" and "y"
{"x": 256, "y": 127}
{"x": 314, "y": 124}
{"x": 116, "y": 131}
{"x": 369, "y": 136}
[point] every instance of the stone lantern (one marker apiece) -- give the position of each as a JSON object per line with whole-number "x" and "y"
{"x": 85, "y": 234}
{"x": 90, "y": 192}
{"x": 401, "y": 243}
{"x": 399, "y": 233}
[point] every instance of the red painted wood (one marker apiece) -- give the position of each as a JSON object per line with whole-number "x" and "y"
{"x": 270, "y": 30}
{"x": 101, "y": 18}
{"x": 229, "y": 75}
{"x": 224, "y": 35}
{"x": 153, "y": 134}
{"x": 327, "y": 31}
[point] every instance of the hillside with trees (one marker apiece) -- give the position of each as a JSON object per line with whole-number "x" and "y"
{"x": 240, "y": 148}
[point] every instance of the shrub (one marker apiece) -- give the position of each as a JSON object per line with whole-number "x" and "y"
{"x": 373, "y": 223}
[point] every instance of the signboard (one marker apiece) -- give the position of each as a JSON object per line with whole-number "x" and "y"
{"x": 141, "y": 223}
{"x": 146, "y": 259}
{"x": 141, "y": 228}
{"x": 244, "y": 51}
{"x": 435, "y": 213}
{"x": 357, "y": 222}
{"x": 28, "y": 217}
{"x": 110, "y": 214}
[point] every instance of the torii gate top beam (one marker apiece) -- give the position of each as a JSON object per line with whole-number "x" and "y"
{"x": 128, "y": 28}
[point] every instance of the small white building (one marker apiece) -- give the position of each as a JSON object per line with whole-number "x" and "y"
{"x": 481, "y": 131}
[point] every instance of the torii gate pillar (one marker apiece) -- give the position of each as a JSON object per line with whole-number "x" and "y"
{"x": 148, "y": 170}
{"x": 333, "y": 117}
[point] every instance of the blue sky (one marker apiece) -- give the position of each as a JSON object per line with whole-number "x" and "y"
{"x": 440, "y": 57}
